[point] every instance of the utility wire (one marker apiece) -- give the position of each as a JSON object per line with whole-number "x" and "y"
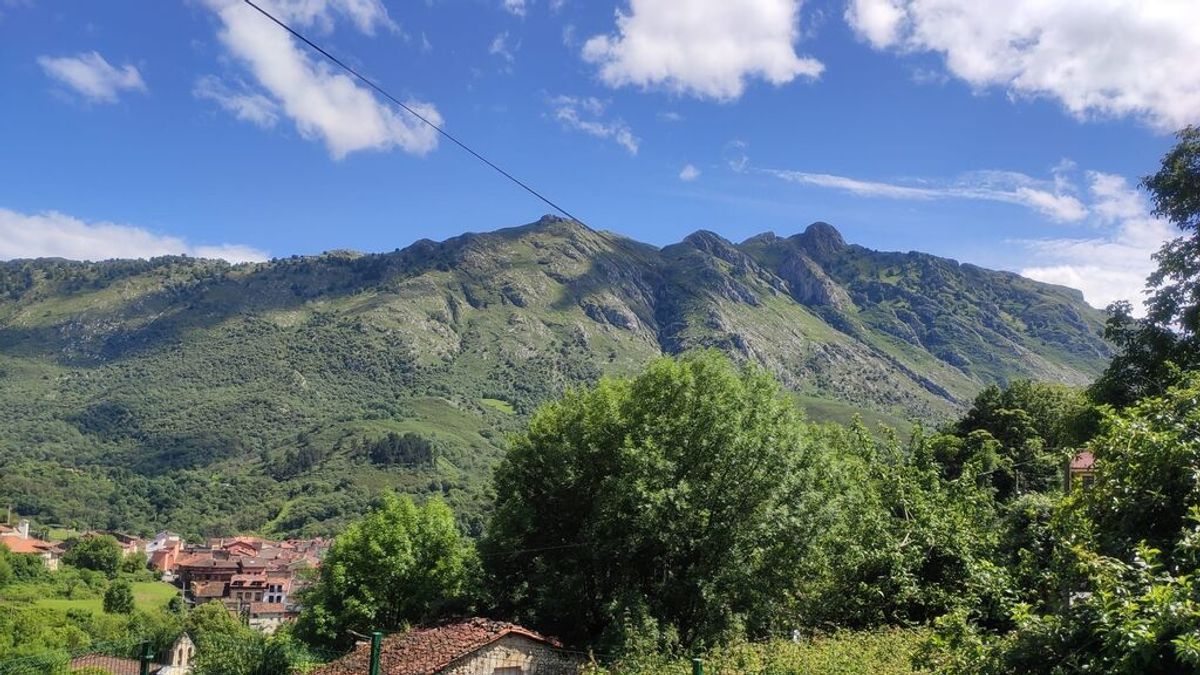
{"x": 367, "y": 81}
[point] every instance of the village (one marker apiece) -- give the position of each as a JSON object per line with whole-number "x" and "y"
{"x": 256, "y": 579}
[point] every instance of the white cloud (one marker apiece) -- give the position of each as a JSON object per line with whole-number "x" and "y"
{"x": 689, "y": 173}
{"x": 515, "y": 7}
{"x": 53, "y": 234}
{"x": 1098, "y": 58}
{"x": 244, "y": 104}
{"x": 1114, "y": 264}
{"x": 705, "y": 48}
{"x": 92, "y": 76}
{"x": 997, "y": 186}
{"x": 324, "y": 104}
{"x": 670, "y": 116}
{"x": 586, "y": 114}
{"x": 500, "y": 47}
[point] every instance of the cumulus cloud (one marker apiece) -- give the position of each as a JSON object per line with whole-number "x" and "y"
{"x": 704, "y": 48}
{"x": 587, "y": 114}
{"x": 689, "y": 173}
{"x": 53, "y": 234}
{"x": 515, "y": 7}
{"x": 323, "y": 103}
{"x": 1113, "y": 58}
{"x": 1113, "y": 263}
{"x": 246, "y": 105}
{"x": 1050, "y": 199}
{"x": 93, "y": 77}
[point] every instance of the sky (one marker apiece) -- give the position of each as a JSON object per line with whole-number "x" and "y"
{"x": 1010, "y": 135}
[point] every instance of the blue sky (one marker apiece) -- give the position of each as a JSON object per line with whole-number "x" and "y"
{"x": 1008, "y": 137}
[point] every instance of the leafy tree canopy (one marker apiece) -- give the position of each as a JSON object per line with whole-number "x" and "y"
{"x": 118, "y": 599}
{"x": 101, "y": 554}
{"x": 681, "y": 497}
{"x": 398, "y": 564}
{"x": 1156, "y": 350}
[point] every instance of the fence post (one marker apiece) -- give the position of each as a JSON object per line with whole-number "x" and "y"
{"x": 144, "y": 660}
{"x": 697, "y": 666}
{"x": 376, "y": 645}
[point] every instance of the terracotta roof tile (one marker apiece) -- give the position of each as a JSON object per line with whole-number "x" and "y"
{"x": 19, "y": 545}
{"x": 425, "y": 651}
{"x": 1083, "y": 461}
{"x": 208, "y": 589}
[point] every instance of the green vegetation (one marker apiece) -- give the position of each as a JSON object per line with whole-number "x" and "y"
{"x": 212, "y": 399}
{"x": 884, "y": 652}
{"x": 118, "y": 599}
{"x": 399, "y": 564}
{"x": 99, "y": 554}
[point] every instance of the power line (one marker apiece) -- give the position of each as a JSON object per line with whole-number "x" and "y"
{"x": 367, "y": 81}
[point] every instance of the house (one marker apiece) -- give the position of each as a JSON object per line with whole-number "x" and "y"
{"x": 164, "y": 551}
{"x": 18, "y": 541}
{"x": 472, "y": 647}
{"x": 266, "y": 617}
{"x": 1081, "y": 471}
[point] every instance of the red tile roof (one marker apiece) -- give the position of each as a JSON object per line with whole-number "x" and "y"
{"x": 425, "y": 651}
{"x": 31, "y": 545}
{"x": 1083, "y": 461}
{"x": 208, "y": 589}
{"x": 114, "y": 665}
{"x": 257, "y": 608}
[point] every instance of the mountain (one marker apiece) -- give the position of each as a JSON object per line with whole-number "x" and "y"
{"x": 282, "y": 396}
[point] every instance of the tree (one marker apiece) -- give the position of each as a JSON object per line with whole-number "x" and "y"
{"x": 1154, "y": 351}
{"x": 101, "y": 554}
{"x": 1120, "y": 568}
{"x": 1021, "y": 434}
{"x": 134, "y": 562}
{"x": 118, "y": 599}
{"x": 398, "y": 564}
{"x": 679, "y": 499}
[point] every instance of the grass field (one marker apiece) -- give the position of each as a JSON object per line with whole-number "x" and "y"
{"x": 146, "y": 595}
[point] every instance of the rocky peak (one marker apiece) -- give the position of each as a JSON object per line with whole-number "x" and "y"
{"x": 821, "y": 239}
{"x": 716, "y": 246}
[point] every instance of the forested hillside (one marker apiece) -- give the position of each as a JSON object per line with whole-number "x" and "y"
{"x": 283, "y": 396}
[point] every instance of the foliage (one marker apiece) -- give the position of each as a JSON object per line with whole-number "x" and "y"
{"x": 908, "y": 544}
{"x": 98, "y": 553}
{"x": 400, "y": 563}
{"x": 118, "y": 599}
{"x": 1117, "y": 585}
{"x": 682, "y": 496}
{"x": 882, "y": 652}
{"x": 410, "y": 450}
{"x": 1155, "y": 351}
{"x": 134, "y": 562}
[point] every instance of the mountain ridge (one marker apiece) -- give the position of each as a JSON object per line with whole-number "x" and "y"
{"x": 152, "y": 376}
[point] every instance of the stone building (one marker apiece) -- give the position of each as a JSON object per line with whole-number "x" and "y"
{"x": 472, "y": 647}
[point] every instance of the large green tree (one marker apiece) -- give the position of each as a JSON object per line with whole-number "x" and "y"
{"x": 399, "y": 564}
{"x": 678, "y": 500}
{"x": 101, "y": 554}
{"x": 1154, "y": 351}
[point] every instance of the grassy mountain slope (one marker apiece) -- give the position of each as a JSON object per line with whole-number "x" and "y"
{"x": 277, "y": 396}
